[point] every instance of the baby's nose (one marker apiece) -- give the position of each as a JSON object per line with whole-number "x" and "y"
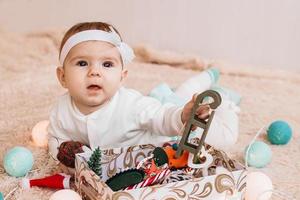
{"x": 95, "y": 70}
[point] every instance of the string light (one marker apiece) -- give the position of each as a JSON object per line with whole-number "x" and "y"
{"x": 39, "y": 133}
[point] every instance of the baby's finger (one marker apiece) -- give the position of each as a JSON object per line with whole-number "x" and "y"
{"x": 204, "y": 115}
{"x": 194, "y": 127}
{"x": 201, "y": 109}
{"x": 194, "y": 97}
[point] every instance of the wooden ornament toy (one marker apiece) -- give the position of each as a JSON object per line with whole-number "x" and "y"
{"x": 196, "y": 149}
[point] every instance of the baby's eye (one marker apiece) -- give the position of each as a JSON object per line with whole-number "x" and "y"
{"x": 108, "y": 64}
{"x": 82, "y": 63}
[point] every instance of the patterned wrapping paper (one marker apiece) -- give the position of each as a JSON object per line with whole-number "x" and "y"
{"x": 223, "y": 175}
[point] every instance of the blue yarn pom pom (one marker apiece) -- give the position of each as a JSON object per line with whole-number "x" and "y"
{"x": 18, "y": 161}
{"x": 1, "y": 196}
{"x": 259, "y": 154}
{"x": 279, "y": 132}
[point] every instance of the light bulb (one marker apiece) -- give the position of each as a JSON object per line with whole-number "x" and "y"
{"x": 258, "y": 186}
{"x": 39, "y": 133}
{"x": 65, "y": 194}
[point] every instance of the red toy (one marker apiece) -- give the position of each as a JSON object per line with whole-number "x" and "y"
{"x": 174, "y": 162}
{"x": 57, "y": 181}
{"x": 167, "y": 154}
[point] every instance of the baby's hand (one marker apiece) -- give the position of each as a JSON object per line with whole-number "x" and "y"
{"x": 202, "y": 112}
{"x": 67, "y": 151}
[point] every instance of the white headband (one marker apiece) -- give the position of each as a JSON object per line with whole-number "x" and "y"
{"x": 112, "y": 37}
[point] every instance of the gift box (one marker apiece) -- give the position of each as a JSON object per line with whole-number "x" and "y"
{"x": 224, "y": 178}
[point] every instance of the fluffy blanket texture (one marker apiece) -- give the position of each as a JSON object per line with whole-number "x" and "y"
{"x": 29, "y": 87}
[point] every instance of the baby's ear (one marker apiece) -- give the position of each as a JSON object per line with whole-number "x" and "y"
{"x": 124, "y": 74}
{"x": 60, "y": 73}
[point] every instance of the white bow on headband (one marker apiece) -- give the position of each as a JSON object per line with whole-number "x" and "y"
{"x": 112, "y": 37}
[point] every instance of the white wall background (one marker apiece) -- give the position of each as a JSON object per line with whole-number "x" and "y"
{"x": 255, "y": 32}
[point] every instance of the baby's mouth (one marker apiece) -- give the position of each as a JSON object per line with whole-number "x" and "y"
{"x": 93, "y": 87}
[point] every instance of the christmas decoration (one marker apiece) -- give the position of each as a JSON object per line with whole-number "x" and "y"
{"x": 125, "y": 179}
{"x": 65, "y": 194}
{"x": 151, "y": 180}
{"x": 259, "y": 154}
{"x": 279, "y": 132}
{"x": 258, "y": 186}
{"x": 18, "y": 161}
{"x": 57, "y": 181}
{"x": 67, "y": 151}
{"x": 95, "y": 162}
{"x": 39, "y": 134}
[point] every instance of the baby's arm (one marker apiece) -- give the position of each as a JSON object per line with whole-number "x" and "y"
{"x": 61, "y": 147}
{"x": 166, "y": 120}
{"x": 159, "y": 119}
{"x": 56, "y": 133}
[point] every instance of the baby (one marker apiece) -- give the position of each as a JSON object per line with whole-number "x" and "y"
{"x": 98, "y": 111}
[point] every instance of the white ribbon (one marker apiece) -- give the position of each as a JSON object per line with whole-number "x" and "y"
{"x": 208, "y": 161}
{"x": 112, "y": 37}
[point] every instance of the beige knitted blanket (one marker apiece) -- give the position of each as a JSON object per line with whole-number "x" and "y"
{"x": 29, "y": 87}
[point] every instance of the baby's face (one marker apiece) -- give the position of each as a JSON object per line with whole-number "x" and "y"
{"x": 93, "y": 73}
